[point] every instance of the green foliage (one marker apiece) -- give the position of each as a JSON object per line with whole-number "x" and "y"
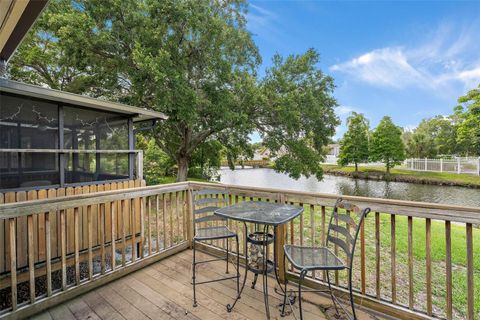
{"x": 206, "y": 160}
{"x": 386, "y": 144}
{"x": 156, "y": 163}
{"x": 195, "y": 61}
{"x": 297, "y": 118}
{"x": 433, "y": 137}
{"x": 354, "y": 144}
{"x": 468, "y": 133}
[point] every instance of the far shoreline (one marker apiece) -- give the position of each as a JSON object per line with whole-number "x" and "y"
{"x": 403, "y": 175}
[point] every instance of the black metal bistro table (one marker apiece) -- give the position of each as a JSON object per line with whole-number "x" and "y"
{"x": 267, "y": 215}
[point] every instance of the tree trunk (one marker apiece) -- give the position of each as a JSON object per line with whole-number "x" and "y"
{"x": 388, "y": 169}
{"x": 356, "y": 167}
{"x": 182, "y": 164}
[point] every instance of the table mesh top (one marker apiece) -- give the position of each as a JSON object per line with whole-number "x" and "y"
{"x": 260, "y": 212}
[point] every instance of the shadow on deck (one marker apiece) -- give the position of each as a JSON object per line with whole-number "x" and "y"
{"x": 163, "y": 291}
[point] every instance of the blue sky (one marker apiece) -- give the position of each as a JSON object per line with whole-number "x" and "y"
{"x": 405, "y": 59}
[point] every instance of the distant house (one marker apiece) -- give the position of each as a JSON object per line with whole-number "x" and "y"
{"x": 333, "y": 149}
{"x": 265, "y": 153}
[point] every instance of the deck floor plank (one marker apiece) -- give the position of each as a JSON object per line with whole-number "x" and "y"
{"x": 81, "y": 310}
{"x": 145, "y": 306}
{"x": 120, "y": 304}
{"x": 61, "y": 312}
{"x": 101, "y": 307}
{"x": 163, "y": 291}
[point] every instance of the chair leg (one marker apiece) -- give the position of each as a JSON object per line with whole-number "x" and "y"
{"x": 193, "y": 276}
{"x": 330, "y": 290}
{"x": 282, "y": 314}
{"x": 238, "y": 266}
{"x": 226, "y": 260}
{"x": 300, "y": 281}
{"x": 352, "y": 304}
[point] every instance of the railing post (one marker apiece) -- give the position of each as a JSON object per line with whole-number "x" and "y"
{"x": 139, "y": 165}
{"x": 189, "y": 217}
{"x": 441, "y": 164}
{"x": 426, "y": 165}
{"x": 280, "y": 242}
{"x": 478, "y": 166}
{"x": 459, "y": 169}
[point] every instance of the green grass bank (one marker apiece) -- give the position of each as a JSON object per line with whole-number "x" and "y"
{"x": 405, "y": 175}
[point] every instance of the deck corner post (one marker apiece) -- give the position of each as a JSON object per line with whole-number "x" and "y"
{"x": 189, "y": 216}
{"x": 280, "y": 242}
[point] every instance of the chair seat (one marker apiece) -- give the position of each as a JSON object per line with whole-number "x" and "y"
{"x": 214, "y": 233}
{"x": 313, "y": 258}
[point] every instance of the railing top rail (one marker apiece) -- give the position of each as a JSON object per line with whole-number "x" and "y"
{"x": 401, "y": 207}
{"x": 24, "y": 208}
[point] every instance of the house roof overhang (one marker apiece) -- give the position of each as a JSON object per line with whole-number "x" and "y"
{"x": 16, "y": 18}
{"x": 138, "y": 114}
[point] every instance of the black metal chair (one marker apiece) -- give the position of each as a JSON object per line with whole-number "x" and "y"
{"x": 205, "y": 202}
{"x": 308, "y": 259}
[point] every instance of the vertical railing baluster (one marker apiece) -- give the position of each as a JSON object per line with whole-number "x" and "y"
{"x": 76, "y": 237}
{"x": 448, "y": 270}
{"x": 101, "y": 236}
{"x": 142, "y": 228}
{"x": 63, "y": 240}
{"x": 157, "y": 220}
{"x": 324, "y": 235}
{"x": 428, "y": 263}
{"x": 393, "y": 258}
{"x": 377, "y": 255}
{"x": 133, "y": 221}
{"x": 149, "y": 227}
{"x": 177, "y": 213}
{"x": 170, "y": 211}
{"x": 312, "y": 230}
{"x": 164, "y": 216}
{"x": 48, "y": 253}
{"x": 410, "y": 264}
{"x": 301, "y": 225}
{"x": 124, "y": 232}
{"x": 470, "y": 277}
{"x": 31, "y": 258}
{"x": 112, "y": 231}
{"x": 89, "y": 239}
{"x": 13, "y": 261}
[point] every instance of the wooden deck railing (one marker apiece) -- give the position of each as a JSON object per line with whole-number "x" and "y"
{"x": 123, "y": 230}
{"x": 414, "y": 260}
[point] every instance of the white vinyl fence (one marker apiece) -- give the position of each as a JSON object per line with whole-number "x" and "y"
{"x": 454, "y": 165}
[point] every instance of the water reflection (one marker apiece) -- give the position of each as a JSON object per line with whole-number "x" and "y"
{"x": 342, "y": 185}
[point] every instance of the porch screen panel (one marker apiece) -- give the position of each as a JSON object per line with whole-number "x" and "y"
{"x": 27, "y": 123}
{"x": 95, "y": 130}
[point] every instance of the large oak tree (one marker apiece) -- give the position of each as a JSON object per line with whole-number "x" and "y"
{"x": 195, "y": 61}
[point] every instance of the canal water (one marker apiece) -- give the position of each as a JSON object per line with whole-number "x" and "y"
{"x": 356, "y": 187}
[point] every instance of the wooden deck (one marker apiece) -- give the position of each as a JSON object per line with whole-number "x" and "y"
{"x": 163, "y": 291}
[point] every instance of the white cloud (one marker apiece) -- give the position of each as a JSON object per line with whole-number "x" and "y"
{"x": 385, "y": 67}
{"x": 262, "y": 21}
{"x": 447, "y": 58}
{"x": 343, "y": 111}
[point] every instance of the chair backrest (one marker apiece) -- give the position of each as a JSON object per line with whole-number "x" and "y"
{"x": 343, "y": 230}
{"x": 205, "y": 202}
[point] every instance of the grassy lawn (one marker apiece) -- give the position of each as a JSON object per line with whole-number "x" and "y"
{"x": 167, "y": 179}
{"x": 442, "y": 177}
